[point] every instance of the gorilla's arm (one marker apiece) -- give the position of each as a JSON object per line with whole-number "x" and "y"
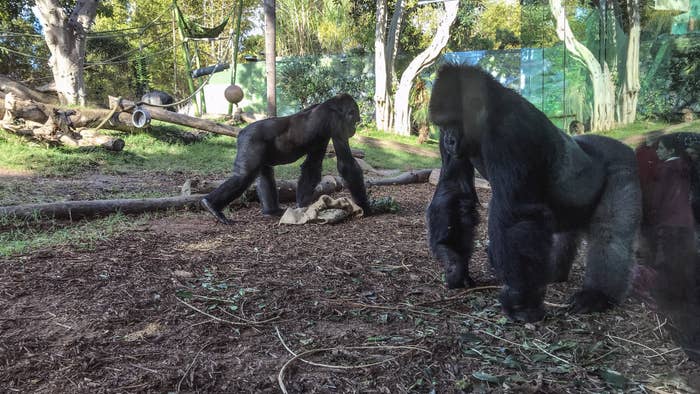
{"x": 451, "y": 220}
{"x": 352, "y": 173}
{"x": 310, "y": 176}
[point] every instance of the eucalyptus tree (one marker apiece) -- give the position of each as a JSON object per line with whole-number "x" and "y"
{"x": 615, "y": 97}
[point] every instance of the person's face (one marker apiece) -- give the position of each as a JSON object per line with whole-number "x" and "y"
{"x": 693, "y": 153}
{"x": 662, "y": 152}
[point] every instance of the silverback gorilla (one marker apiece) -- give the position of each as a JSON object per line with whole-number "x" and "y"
{"x": 281, "y": 140}
{"x": 547, "y": 189}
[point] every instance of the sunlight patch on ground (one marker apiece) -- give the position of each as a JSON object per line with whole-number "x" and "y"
{"x": 204, "y": 245}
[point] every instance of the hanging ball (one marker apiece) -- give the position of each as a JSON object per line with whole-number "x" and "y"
{"x": 234, "y": 94}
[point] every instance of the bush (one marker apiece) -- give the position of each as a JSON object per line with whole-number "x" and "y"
{"x": 311, "y": 79}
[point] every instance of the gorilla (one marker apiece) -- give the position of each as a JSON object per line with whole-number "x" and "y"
{"x": 282, "y": 140}
{"x": 159, "y": 98}
{"x": 548, "y": 189}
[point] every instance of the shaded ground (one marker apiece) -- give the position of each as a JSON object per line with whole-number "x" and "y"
{"x": 183, "y": 304}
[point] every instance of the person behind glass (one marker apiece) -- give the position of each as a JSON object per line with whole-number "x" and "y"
{"x": 647, "y": 160}
{"x": 673, "y": 252}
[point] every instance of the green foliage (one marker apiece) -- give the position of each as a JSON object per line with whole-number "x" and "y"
{"x": 312, "y": 79}
{"x": 384, "y": 205}
{"x": 684, "y": 69}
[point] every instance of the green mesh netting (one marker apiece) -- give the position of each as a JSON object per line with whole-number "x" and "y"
{"x": 192, "y": 29}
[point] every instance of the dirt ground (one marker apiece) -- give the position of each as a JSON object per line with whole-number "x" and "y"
{"x": 182, "y": 304}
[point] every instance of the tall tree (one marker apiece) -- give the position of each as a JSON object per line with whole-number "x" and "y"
{"x": 610, "y": 105}
{"x": 392, "y": 113}
{"x": 270, "y": 56}
{"x": 402, "y": 114}
{"x": 65, "y": 34}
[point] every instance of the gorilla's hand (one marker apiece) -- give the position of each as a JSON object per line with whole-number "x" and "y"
{"x": 523, "y": 305}
{"x": 588, "y": 301}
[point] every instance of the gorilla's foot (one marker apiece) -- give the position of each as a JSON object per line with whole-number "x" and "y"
{"x": 587, "y": 301}
{"x": 278, "y": 212}
{"x": 216, "y": 212}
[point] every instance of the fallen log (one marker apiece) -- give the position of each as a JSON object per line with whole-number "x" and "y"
{"x": 418, "y": 176}
{"x": 47, "y": 122}
{"x": 176, "y": 118}
{"x": 286, "y": 190}
{"x": 74, "y": 210}
{"x": 9, "y": 85}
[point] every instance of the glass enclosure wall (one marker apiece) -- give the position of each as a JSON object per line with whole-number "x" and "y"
{"x": 535, "y": 62}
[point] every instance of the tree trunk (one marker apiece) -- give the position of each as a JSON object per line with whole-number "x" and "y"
{"x": 629, "y": 69}
{"x": 402, "y": 115}
{"x": 603, "y": 108}
{"x": 270, "y": 56}
{"x": 382, "y": 102}
{"x": 392, "y": 42}
{"x": 65, "y": 37}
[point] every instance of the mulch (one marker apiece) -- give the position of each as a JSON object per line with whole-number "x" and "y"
{"x": 182, "y": 304}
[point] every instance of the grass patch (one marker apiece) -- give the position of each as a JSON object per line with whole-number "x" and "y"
{"x": 638, "y": 127}
{"x": 155, "y": 151}
{"x": 18, "y": 236}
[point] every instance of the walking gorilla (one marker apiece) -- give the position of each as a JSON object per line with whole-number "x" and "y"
{"x": 547, "y": 189}
{"x": 282, "y": 140}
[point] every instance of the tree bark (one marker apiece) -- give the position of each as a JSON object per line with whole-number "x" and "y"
{"x": 418, "y": 176}
{"x": 603, "y": 108}
{"x": 8, "y": 85}
{"x": 270, "y": 55}
{"x": 402, "y": 114}
{"x": 81, "y": 209}
{"x": 176, "y": 118}
{"x": 65, "y": 36}
{"x": 382, "y": 101}
{"x": 43, "y": 122}
{"x": 392, "y": 42}
{"x": 629, "y": 69}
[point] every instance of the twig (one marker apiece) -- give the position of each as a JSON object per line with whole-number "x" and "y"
{"x": 190, "y": 366}
{"x": 460, "y": 295}
{"x": 520, "y": 346}
{"x": 555, "y": 305}
{"x": 280, "y": 375}
{"x": 251, "y": 323}
{"x": 552, "y": 355}
{"x": 666, "y": 352}
{"x": 613, "y": 337}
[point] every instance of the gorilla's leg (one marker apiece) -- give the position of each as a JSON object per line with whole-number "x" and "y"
{"x": 564, "y": 247}
{"x": 310, "y": 177}
{"x": 612, "y": 232}
{"x": 520, "y": 239}
{"x": 267, "y": 192}
{"x": 246, "y": 167}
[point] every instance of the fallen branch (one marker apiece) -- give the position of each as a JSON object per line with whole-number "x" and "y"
{"x": 49, "y": 123}
{"x": 92, "y": 208}
{"x": 8, "y": 85}
{"x": 176, "y": 118}
{"x": 81, "y": 209}
{"x": 419, "y": 176}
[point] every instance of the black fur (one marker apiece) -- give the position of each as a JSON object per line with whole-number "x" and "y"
{"x": 282, "y": 140}
{"x": 547, "y": 189}
{"x": 452, "y": 215}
